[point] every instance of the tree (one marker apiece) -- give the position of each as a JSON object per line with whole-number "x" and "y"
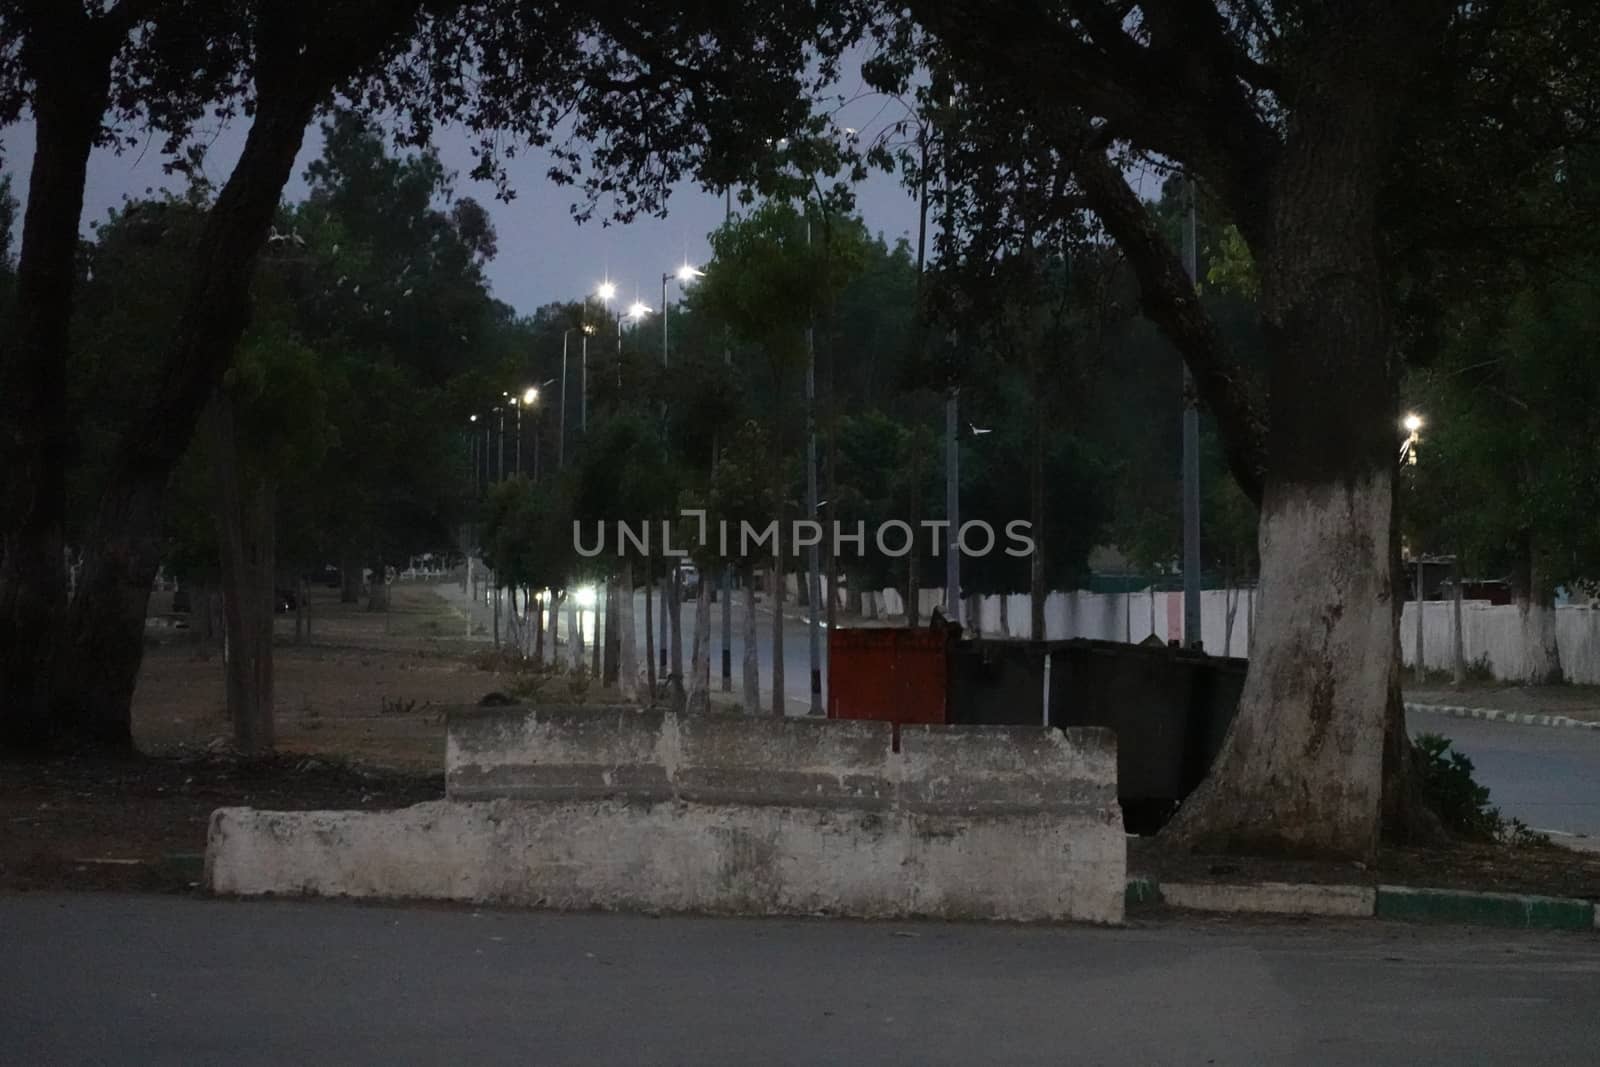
{"x": 1293, "y": 118}
{"x": 1506, "y": 473}
{"x": 653, "y": 94}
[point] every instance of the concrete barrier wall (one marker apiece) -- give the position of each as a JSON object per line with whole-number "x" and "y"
{"x": 651, "y": 811}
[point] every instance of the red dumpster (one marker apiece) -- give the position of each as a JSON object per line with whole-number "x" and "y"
{"x": 891, "y": 675}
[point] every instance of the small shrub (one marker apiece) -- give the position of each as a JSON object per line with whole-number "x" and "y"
{"x": 1450, "y": 790}
{"x": 1460, "y": 802}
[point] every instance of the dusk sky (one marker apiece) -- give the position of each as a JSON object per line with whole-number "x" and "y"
{"x": 544, "y": 255}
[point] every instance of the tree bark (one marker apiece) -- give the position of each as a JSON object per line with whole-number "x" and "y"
{"x": 650, "y": 636}
{"x": 752, "y": 656}
{"x": 244, "y": 535}
{"x": 700, "y": 684}
{"x": 71, "y": 70}
{"x": 777, "y": 630}
{"x": 1301, "y": 768}
{"x": 675, "y": 676}
{"x": 614, "y": 624}
{"x": 100, "y": 646}
{"x": 628, "y": 674}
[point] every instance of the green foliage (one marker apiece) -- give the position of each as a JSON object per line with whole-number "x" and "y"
{"x": 1510, "y": 451}
{"x": 775, "y": 271}
{"x": 1445, "y": 782}
{"x": 1447, "y": 785}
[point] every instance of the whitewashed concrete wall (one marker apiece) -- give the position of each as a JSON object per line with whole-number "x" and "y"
{"x": 1492, "y": 633}
{"x": 1106, "y": 616}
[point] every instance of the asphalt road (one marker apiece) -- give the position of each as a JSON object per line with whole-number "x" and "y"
{"x": 1549, "y": 777}
{"x": 153, "y": 980}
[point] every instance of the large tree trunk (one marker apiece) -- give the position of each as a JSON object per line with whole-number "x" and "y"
{"x": 99, "y": 652}
{"x": 1536, "y": 617}
{"x": 1301, "y": 769}
{"x": 37, "y": 442}
{"x": 244, "y": 535}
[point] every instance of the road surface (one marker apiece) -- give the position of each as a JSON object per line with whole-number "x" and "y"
{"x": 157, "y": 980}
{"x": 1547, "y": 776}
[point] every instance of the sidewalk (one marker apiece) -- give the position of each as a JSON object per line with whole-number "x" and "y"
{"x": 1580, "y": 702}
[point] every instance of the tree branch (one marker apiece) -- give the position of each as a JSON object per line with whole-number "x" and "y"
{"x": 1170, "y": 301}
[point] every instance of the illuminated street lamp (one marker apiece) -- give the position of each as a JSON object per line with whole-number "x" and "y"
{"x": 1412, "y": 424}
{"x": 685, "y": 275}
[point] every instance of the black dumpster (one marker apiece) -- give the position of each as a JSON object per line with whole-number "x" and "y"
{"x": 995, "y": 683}
{"x": 1169, "y": 707}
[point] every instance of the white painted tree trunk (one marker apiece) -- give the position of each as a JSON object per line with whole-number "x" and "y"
{"x": 1301, "y": 768}
{"x": 1541, "y": 658}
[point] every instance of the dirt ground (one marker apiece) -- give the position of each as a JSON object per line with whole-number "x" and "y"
{"x": 360, "y": 719}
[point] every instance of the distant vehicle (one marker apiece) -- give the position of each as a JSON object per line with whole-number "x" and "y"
{"x": 328, "y": 576}
{"x": 690, "y": 575}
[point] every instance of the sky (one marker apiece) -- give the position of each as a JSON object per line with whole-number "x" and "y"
{"x": 544, "y": 255}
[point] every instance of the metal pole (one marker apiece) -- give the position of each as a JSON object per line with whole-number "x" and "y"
{"x": 583, "y": 409}
{"x": 500, "y": 471}
{"x": 664, "y": 357}
{"x": 1191, "y": 459}
{"x": 561, "y": 445}
{"x": 813, "y": 562}
{"x": 952, "y": 505}
{"x": 536, "y": 421}
{"x": 517, "y": 467}
{"x": 1422, "y": 592}
{"x": 727, "y": 568}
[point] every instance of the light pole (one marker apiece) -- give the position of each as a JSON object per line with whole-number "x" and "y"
{"x": 500, "y": 466}
{"x": 1191, "y": 459}
{"x": 685, "y": 274}
{"x": 561, "y": 444}
{"x": 472, "y": 436}
{"x": 530, "y": 397}
{"x": 516, "y": 403}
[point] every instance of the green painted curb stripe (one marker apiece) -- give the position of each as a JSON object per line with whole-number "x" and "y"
{"x": 1484, "y": 909}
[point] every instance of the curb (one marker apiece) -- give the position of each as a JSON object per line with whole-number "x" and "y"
{"x": 1392, "y": 902}
{"x": 1521, "y": 718}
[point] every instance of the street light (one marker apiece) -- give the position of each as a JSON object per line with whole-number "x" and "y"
{"x": 685, "y": 275}
{"x": 1412, "y": 424}
{"x": 530, "y": 395}
{"x": 638, "y": 310}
